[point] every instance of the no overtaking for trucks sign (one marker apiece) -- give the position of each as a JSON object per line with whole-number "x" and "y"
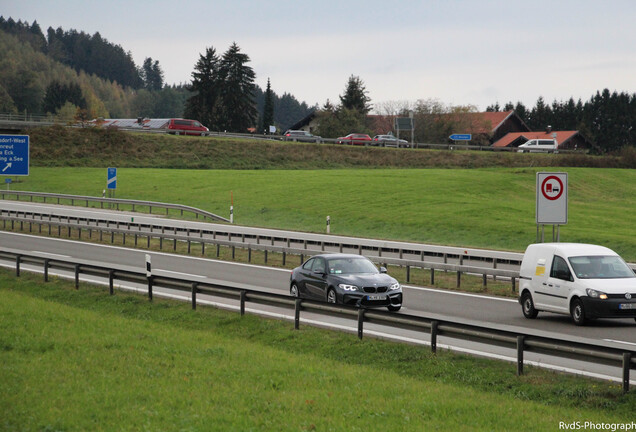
{"x": 552, "y": 198}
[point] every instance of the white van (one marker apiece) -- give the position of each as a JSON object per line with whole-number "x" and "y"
{"x": 581, "y": 280}
{"x": 540, "y": 146}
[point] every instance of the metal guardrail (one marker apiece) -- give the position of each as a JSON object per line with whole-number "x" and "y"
{"x": 598, "y": 353}
{"x": 285, "y": 251}
{"x": 112, "y": 202}
{"x": 322, "y": 241}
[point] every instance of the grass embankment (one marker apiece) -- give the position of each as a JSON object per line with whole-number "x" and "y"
{"x": 92, "y": 147}
{"x": 484, "y": 208}
{"x": 83, "y": 360}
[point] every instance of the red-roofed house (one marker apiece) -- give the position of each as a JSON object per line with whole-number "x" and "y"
{"x": 570, "y": 140}
{"x": 491, "y": 125}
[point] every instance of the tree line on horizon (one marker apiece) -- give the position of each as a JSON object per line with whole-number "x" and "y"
{"x": 40, "y": 75}
{"x": 68, "y": 72}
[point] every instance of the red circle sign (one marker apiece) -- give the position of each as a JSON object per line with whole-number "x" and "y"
{"x": 550, "y": 189}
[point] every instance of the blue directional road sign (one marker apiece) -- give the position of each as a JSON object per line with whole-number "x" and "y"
{"x": 14, "y": 155}
{"x": 112, "y": 178}
{"x": 461, "y": 137}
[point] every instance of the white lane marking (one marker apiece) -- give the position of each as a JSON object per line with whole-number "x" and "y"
{"x": 50, "y": 254}
{"x": 177, "y": 273}
{"x": 621, "y": 342}
{"x": 481, "y": 296}
{"x": 138, "y": 251}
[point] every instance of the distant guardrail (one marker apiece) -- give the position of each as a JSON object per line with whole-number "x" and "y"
{"x": 113, "y": 202}
{"x": 523, "y": 342}
{"x": 248, "y": 234}
{"x": 20, "y": 121}
{"x": 135, "y": 235}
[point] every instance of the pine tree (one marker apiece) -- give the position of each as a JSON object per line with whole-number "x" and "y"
{"x": 355, "y": 96}
{"x": 151, "y": 74}
{"x": 237, "y": 91}
{"x": 268, "y": 110}
{"x": 204, "y": 105}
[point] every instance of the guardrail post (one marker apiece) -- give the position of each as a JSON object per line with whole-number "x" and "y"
{"x": 520, "y": 347}
{"x": 432, "y": 276}
{"x": 434, "y": 331}
{"x": 627, "y": 360}
{"x": 514, "y": 288}
{"x": 243, "y": 295}
{"x": 77, "y": 271}
{"x": 284, "y": 257}
{"x": 484, "y": 283}
{"x": 459, "y": 278}
{"x": 249, "y": 254}
{"x": 265, "y": 256}
{"x": 408, "y": 274}
{"x": 297, "y": 306}
{"x": 46, "y": 270}
{"x": 360, "y": 322}
{"x": 149, "y": 288}
{"x": 233, "y": 252}
{"x": 195, "y": 288}
{"x": 18, "y": 258}
{"x": 111, "y": 277}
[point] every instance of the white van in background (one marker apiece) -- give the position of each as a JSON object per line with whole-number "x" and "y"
{"x": 540, "y": 146}
{"x": 581, "y": 280}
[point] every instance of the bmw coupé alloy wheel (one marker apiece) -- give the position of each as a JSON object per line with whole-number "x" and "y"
{"x": 293, "y": 291}
{"x": 331, "y": 296}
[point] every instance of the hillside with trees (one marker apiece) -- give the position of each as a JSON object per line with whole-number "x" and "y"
{"x": 71, "y": 73}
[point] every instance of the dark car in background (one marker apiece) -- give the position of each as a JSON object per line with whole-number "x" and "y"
{"x": 389, "y": 141}
{"x": 301, "y": 135}
{"x": 345, "y": 279}
{"x": 354, "y": 138}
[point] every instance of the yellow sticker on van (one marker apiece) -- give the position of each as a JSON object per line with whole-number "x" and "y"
{"x": 540, "y": 271}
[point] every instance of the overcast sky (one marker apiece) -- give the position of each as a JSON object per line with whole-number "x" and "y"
{"x": 459, "y": 52}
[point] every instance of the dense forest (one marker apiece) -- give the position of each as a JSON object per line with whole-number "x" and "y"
{"x": 71, "y": 72}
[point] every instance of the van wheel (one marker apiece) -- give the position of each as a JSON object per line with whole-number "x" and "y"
{"x": 577, "y": 311}
{"x": 527, "y": 305}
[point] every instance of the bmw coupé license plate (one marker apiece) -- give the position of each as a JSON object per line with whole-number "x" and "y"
{"x": 627, "y": 306}
{"x": 376, "y": 297}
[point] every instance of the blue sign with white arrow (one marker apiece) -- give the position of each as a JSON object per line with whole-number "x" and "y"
{"x": 14, "y": 155}
{"x": 461, "y": 137}
{"x": 112, "y": 178}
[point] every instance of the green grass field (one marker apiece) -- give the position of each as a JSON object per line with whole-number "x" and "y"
{"x": 83, "y": 360}
{"x": 485, "y": 208}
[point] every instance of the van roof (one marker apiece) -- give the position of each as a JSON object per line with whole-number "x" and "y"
{"x": 575, "y": 249}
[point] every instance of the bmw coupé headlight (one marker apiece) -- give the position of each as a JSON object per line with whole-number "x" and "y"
{"x": 348, "y": 287}
{"x": 394, "y": 287}
{"x": 596, "y": 294}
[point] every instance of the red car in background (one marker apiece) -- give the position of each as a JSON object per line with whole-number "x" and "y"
{"x": 354, "y": 138}
{"x": 180, "y": 126}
